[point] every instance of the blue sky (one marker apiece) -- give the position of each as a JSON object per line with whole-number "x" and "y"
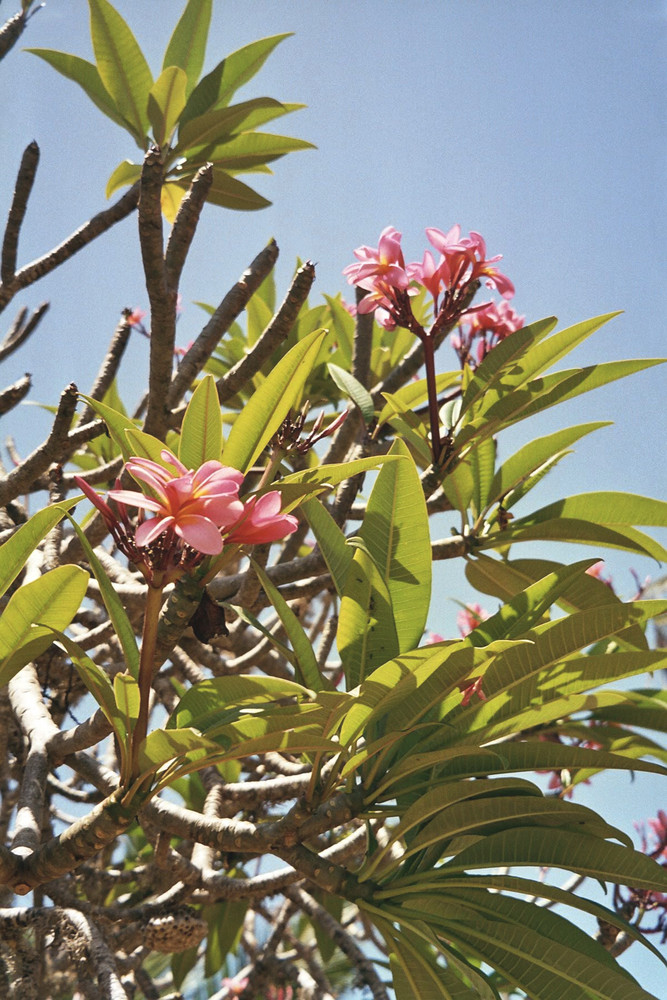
{"x": 540, "y": 125}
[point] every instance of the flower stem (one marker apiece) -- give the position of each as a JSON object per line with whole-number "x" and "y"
{"x": 434, "y": 416}
{"x": 148, "y": 646}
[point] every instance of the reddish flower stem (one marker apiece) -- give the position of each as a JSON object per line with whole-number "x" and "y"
{"x": 148, "y": 647}
{"x": 434, "y": 415}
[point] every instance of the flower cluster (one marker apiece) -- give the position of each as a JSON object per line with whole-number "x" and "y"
{"x": 195, "y": 513}
{"x": 488, "y": 323}
{"x": 451, "y": 278}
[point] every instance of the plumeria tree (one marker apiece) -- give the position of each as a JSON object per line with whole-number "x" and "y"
{"x": 236, "y": 763}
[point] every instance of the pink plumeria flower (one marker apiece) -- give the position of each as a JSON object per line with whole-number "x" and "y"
{"x": 262, "y": 521}
{"x": 470, "y": 617}
{"x": 385, "y": 264}
{"x": 195, "y": 505}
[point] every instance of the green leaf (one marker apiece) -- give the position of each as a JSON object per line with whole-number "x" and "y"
{"x": 121, "y": 64}
{"x": 100, "y": 687}
{"x": 187, "y": 45}
{"x": 165, "y": 745}
{"x": 116, "y": 611}
{"x": 535, "y": 454}
{"x": 269, "y": 405}
{"x": 116, "y": 422}
{"x": 126, "y": 693}
{"x": 338, "y": 472}
{"x": 337, "y": 553}
{"x": 459, "y": 486}
{"x": 15, "y": 552}
{"x": 307, "y": 669}
{"x": 225, "y": 920}
{"x": 503, "y": 358}
{"x": 414, "y": 393}
{"x": 217, "y": 88}
{"x": 366, "y": 635}
{"x": 201, "y": 137}
{"x": 208, "y": 702}
{"x": 578, "y": 852}
{"x": 610, "y": 508}
{"x": 250, "y": 149}
{"x": 125, "y": 173}
{"x": 482, "y": 461}
{"x": 578, "y": 531}
{"x": 416, "y": 974}
{"x": 201, "y": 431}
{"x": 88, "y": 78}
{"x": 228, "y": 192}
{"x": 52, "y": 600}
{"x": 527, "y": 608}
{"x": 166, "y": 101}
{"x": 395, "y": 530}
{"x": 353, "y": 388}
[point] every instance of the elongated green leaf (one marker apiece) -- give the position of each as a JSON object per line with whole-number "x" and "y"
{"x": 337, "y": 553}
{"x": 201, "y": 431}
{"x": 416, "y": 974}
{"x": 415, "y": 393}
{"x": 482, "y": 463}
{"x": 125, "y": 173}
{"x": 396, "y": 533}
{"x": 579, "y": 531}
{"x": 143, "y": 445}
{"x": 165, "y": 745}
{"x": 99, "y": 686}
{"x": 527, "y": 608}
{"x": 308, "y": 672}
{"x": 225, "y": 921}
{"x": 52, "y": 600}
{"x": 202, "y": 704}
{"x": 338, "y": 472}
{"x": 267, "y": 408}
{"x": 504, "y": 578}
{"x": 610, "y": 508}
{"x": 218, "y": 87}
{"x": 116, "y": 423}
{"x": 88, "y": 78}
{"x": 250, "y": 149}
{"x": 548, "y": 958}
{"x": 459, "y": 486}
{"x": 352, "y": 388}
{"x": 112, "y": 603}
{"x": 187, "y": 45}
{"x": 542, "y": 393}
{"x": 14, "y": 553}
{"x": 536, "y": 453}
{"x": 126, "y": 694}
{"x": 504, "y": 357}
{"x": 201, "y": 138}
{"x": 121, "y": 65}
{"x": 166, "y": 100}
{"x": 366, "y": 635}
{"x": 228, "y": 192}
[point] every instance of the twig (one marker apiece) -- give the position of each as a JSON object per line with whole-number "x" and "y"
{"x": 342, "y": 938}
{"x": 20, "y": 330}
{"x": 20, "y": 479}
{"x": 108, "y": 368}
{"x": 86, "y": 233}
{"x": 13, "y": 394}
{"x": 11, "y": 31}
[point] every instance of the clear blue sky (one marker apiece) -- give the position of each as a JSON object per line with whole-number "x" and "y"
{"x": 540, "y": 125}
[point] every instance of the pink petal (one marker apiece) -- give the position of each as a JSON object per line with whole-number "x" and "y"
{"x": 147, "y": 532}
{"x": 200, "y": 533}
{"x": 135, "y": 499}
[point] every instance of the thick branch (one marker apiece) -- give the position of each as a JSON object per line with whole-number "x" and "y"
{"x": 185, "y": 224}
{"x": 231, "y": 306}
{"x": 24, "y": 182}
{"x": 162, "y": 299}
